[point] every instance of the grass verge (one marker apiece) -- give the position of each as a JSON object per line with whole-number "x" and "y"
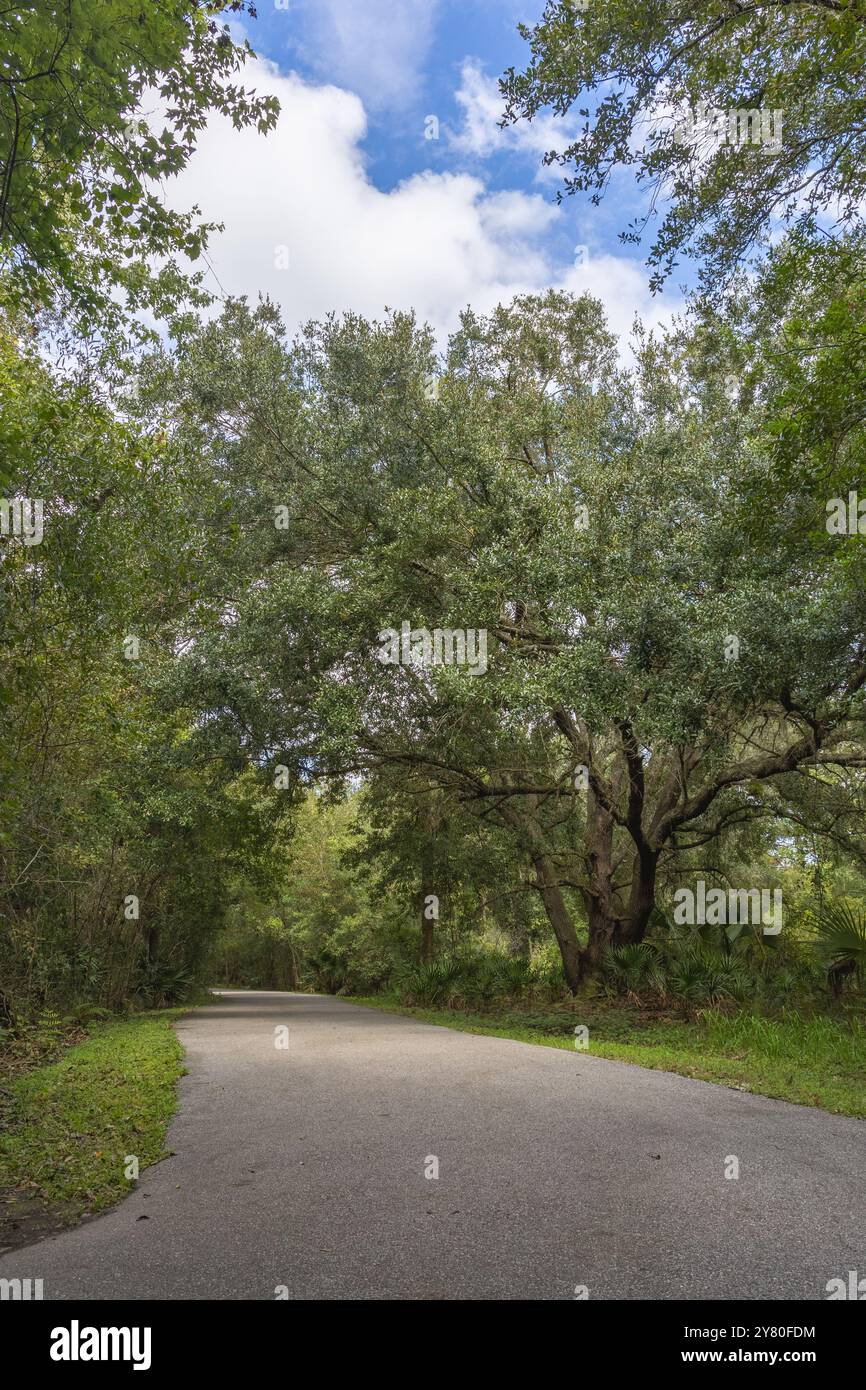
{"x": 69, "y": 1127}
{"x": 818, "y": 1061}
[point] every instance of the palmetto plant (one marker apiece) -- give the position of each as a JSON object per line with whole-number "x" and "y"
{"x": 703, "y": 975}
{"x": 161, "y": 984}
{"x": 432, "y": 982}
{"x": 495, "y": 977}
{"x": 633, "y": 969}
{"x": 841, "y": 942}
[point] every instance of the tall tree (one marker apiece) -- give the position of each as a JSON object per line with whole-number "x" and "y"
{"x": 119, "y": 833}
{"x": 650, "y": 661}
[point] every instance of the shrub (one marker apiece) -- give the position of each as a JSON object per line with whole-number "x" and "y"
{"x": 632, "y": 970}
{"x": 700, "y": 975}
{"x": 841, "y": 943}
{"x": 479, "y": 979}
{"x": 430, "y": 982}
{"x": 160, "y": 985}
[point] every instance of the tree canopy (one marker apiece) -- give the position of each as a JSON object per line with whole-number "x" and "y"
{"x": 590, "y": 521}
{"x": 99, "y": 105}
{"x": 646, "y": 80}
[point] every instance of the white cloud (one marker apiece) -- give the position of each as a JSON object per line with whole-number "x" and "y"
{"x": 480, "y": 135}
{"x": 621, "y": 285}
{"x": 300, "y": 198}
{"x": 376, "y": 48}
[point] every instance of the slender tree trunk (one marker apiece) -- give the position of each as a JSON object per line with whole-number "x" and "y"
{"x": 293, "y": 970}
{"x": 427, "y": 908}
{"x": 514, "y": 917}
{"x": 427, "y": 924}
{"x": 559, "y": 918}
{"x": 532, "y": 839}
{"x": 430, "y": 888}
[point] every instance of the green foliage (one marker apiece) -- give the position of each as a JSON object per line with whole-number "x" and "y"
{"x": 792, "y": 1037}
{"x": 432, "y": 982}
{"x": 706, "y": 969}
{"x": 479, "y": 980}
{"x": 156, "y": 777}
{"x": 841, "y": 937}
{"x": 607, "y": 528}
{"x": 698, "y": 976}
{"x": 104, "y": 794}
{"x": 607, "y": 641}
{"x": 160, "y": 985}
{"x": 633, "y": 970}
{"x": 80, "y": 162}
{"x": 321, "y": 927}
{"x": 630, "y": 71}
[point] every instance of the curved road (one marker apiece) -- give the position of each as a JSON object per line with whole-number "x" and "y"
{"x": 303, "y": 1169}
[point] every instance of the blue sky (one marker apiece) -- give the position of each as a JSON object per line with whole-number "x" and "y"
{"x": 348, "y": 205}
{"x": 417, "y": 67}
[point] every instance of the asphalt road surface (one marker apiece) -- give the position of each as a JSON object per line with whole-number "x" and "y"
{"x": 304, "y": 1169}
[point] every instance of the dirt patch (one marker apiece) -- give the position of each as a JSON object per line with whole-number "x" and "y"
{"x": 26, "y": 1217}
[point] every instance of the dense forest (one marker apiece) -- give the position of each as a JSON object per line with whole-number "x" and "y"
{"x": 502, "y": 668}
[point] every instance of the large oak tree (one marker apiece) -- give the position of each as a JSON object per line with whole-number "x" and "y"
{"x": 656, "y": 661}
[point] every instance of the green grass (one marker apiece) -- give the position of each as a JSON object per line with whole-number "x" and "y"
{"x": 819, "y": 1061}
{"x": 69, "y": 1126}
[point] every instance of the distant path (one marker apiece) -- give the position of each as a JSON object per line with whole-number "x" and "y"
{"x": 304, "y": 1167}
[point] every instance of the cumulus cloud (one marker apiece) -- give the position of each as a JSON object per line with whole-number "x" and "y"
{"x": 305, "y": 224}
{"x": 480, "y": 135}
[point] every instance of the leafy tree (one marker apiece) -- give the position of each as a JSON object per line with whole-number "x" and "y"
{"x": 651, "y": 664}
{"x": 80, "y": 209}
{"x": 322, "y": 924}
{"x": 653, "y": 64}
{"x": 456, "y": 874}
{"x": 795, "y": 339}
{"x": 118, "y": 843}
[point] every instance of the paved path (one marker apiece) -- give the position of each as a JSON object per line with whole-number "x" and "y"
{"x": 305, "y": 1167}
